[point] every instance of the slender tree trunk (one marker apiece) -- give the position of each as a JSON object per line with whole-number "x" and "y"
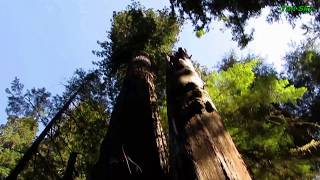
{"x": 134, "y": 146}
{"x": 70, "y": 170}
{"x": 200, "y": 146}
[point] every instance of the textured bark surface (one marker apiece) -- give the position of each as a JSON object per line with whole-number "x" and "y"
{"x": 200, "y": 146}
{"x": 135, "y": 145}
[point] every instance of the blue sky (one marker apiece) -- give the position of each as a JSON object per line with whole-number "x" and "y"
{"x": 44, "y": 41}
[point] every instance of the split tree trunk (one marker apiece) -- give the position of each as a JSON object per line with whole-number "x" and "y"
{"x": 200, "y": 146}
{"x": 134, "y": 146}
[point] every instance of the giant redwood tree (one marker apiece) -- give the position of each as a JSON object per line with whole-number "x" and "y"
{"x": 133, "y": 64}
{"x": 135, "y": 146}
{"x": 200, "y": 146}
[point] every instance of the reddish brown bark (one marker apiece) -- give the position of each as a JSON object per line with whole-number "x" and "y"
{"x": 134, "y": 146}
{"x": 200, "y": 146}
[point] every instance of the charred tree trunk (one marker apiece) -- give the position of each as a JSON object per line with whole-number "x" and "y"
{"x": 200, "y": 146}
{"x": 134, "y": 146}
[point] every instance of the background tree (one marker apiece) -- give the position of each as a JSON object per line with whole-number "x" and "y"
{"x": 302, "y": 70}
{"x": 235, "y": 14}
{"x": 249, "y": 96}
{"x": 80, "y": 129}
{"x": 302, "y": 67}
{"x": 15, "y": 137}
{"x": 32, "y": 103}
{"x": 133, "y": 30}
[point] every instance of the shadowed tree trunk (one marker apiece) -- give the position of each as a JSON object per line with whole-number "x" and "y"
{"x": 200, "y": 146}
{"x": 134, "y": 146}
{"x": 70, "y": 170}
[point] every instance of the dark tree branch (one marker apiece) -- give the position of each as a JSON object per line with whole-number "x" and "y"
{"x": 68, "y": 174}
{"x": 308, "y": 148}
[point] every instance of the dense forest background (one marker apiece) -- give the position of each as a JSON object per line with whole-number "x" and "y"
{"x": 272, "y": 116}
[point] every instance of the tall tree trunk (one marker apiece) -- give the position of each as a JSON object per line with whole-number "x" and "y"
{"x": 200, "y": 146}
{"x": 134, "y": 146}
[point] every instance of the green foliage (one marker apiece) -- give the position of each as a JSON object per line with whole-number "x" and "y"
{"x": 15, "y": 137}
{"x": 134, "y": 30}
{"x": 302, "y": 69}
{"x": 269, "y": 140}
{"x": 245, "y": 94}
{"x": 82, "y": 132}
{"x": 163, "y": 117}
{"x": 139, "y": 29}
{"x": 235, "y": 14}
{"x": 32, "y": 103}
{"x": 80, "y": 129}
{"x": 239, "y": 87}
{"x": 303, "y": 64}
{"x": 293, "y": 168}
{"x": 200, "y": 32}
